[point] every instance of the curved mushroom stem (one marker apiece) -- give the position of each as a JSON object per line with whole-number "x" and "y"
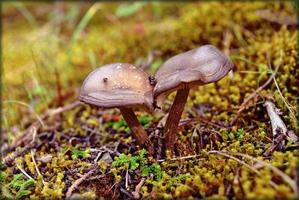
{"x": 137, "y": 130}
{"x": 174, "y": 116}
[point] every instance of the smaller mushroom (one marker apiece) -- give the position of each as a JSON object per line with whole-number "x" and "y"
{"x": 123, "y": 86}
{"x": 199, "y": 66}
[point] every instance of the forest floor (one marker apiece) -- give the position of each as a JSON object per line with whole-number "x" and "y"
{"x": 54, "y": 146}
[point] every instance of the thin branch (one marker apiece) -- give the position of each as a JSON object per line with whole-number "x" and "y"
{"x": 278, "y": 126}
{"x": 204, "y": 120}
{"x": 278, "y": 89}
{"x": 127, "y": 177}
{"x": 180, "y": 158}
{"x": 147, "y": 63}
{"x": 96, "y": 177}
{"x": 227, "y": 39}
{"x": 98, "y": 156}
{"x": 36, "y": 125}
{"x": 248, "y": 72}
{"x": 32, "y": 131}
{"x": 284, "y": 100}
{"x": 36, "y": 168}
{"x": 25, "y": 173}
{"x": 63, "y": 109}
{"x": 278, "y": 143}
{"x": 127, "y": 193}
{"x": 78, "y": 182}
{"x": 284, "y": 176}
{"x": 276, "y": 121}
{"x": 277, "y": 17}
{"x": 28, "y": 106}
{"x": 10, "y": 159}
{"x": 136, "y": 193}
{"x": 254, "y": 94}
{"x": 241, "y": 162}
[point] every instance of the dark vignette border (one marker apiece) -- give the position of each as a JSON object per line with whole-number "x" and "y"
{"x": 1, "y": 81}
{"x": 295, "y": 3}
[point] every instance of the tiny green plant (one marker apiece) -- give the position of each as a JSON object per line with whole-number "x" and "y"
{"x": 139, "y": 162}
{"x": 119, "y": 124}
{"x": 133, "y": 161}
{"x": 154, "y": 169}
{"x": 240, "y": 134}
{"x": 18, "y": 188}
{"x": 80, "y": 153}
{"x": 145, "y": 120}
{"x": 2, "y": 173}
{"x": 175, "y": 180}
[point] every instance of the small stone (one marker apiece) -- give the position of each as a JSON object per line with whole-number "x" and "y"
{"x": 45, "y": 158}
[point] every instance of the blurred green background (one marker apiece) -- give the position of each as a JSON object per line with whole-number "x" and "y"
{"x": 48, "y": 48}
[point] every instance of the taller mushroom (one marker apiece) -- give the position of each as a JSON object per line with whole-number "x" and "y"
{"x": 199, "y": 66}
{"x": 123, "y": 86}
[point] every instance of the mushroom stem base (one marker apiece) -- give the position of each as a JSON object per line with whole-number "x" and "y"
{"x": 137, "y": 130}
{"x": 175, "y": 113}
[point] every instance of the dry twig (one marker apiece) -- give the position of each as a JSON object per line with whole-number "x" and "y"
{"x": 127, "y": 178}
{"x": 278, "y": 126}
{"x": 278, "y": 89}
{"x": 278, "y": 143}
{"x": 204, "y": 120}
{"x": 284, "y": 176}
{"x": 150, "y": 57}
{"x": 36, "y": 168}
{"x": 10, "y": 159}
{"x": 78, "y": 182}
{"x": 24, "y": 172}
{"x": 40, "y": 120}
{"x": 241, "y": 162}
{"x": 237, "y": 181}
{"x": 36, "y": 125}
{"x": 181, "y": 158}
{"x": 277, "y": 17}
{"x": 253, "y": 95}
{"x": 285, "y": 101}
{"x": 127, "y": 193}
{"x": 228, "y": 36}
{"x": 279, "y": 129}
{"x": 136, "y": 193}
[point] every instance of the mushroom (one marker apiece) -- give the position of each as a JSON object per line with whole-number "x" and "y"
{"x": 123, "y": 86}
{"x": 198, "y": 66}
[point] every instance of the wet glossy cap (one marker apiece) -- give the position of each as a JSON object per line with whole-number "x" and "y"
{"x": 118, "y": 85}
{"x": 198, "y": 66}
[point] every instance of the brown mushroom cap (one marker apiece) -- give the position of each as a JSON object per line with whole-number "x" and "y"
{"x": 198, "y": 66}
{"x": 118, "y": 85}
